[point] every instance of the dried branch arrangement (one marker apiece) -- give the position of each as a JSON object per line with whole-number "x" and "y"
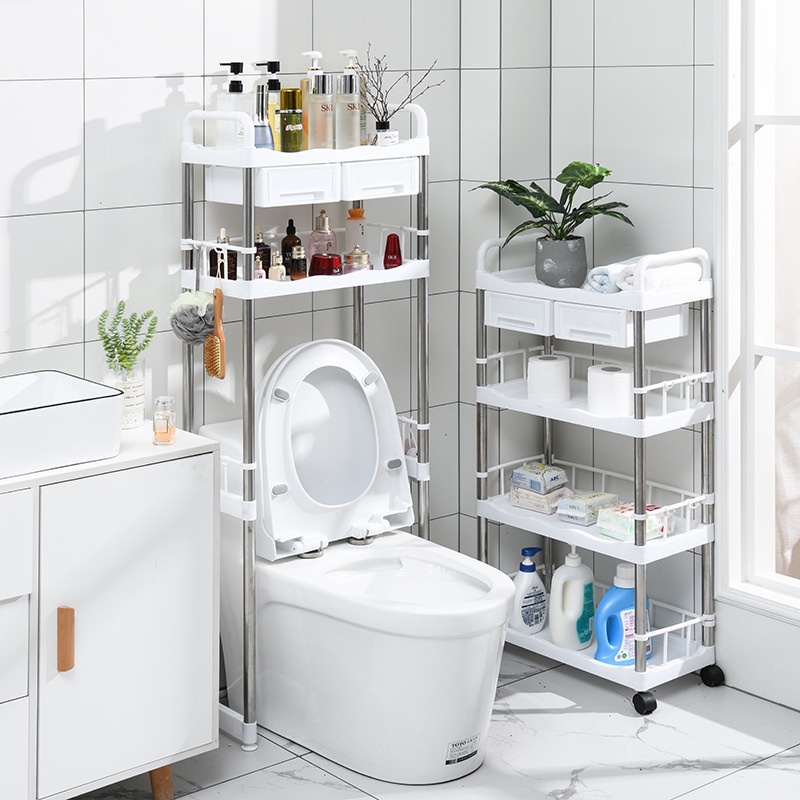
{"x": 377, "y": 95}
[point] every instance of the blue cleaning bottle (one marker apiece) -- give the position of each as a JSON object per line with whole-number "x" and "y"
{"x": 614, "y": 620}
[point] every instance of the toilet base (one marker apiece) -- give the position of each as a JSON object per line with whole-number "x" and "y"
{"x": 404, "y": 709}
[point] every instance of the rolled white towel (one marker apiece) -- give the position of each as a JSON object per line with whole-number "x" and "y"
{"x": 660, "y": 279}
{"x": 604, "y": 279}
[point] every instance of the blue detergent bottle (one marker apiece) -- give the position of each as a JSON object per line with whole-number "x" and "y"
{"x": 614, "y": 620}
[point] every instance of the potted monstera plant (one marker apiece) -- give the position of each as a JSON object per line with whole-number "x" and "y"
{"x": 560, "y": 254}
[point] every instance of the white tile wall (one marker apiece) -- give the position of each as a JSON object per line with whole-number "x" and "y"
{"x": 95, "y": 177}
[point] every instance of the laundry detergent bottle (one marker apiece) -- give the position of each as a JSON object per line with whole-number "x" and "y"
{"x": 572, "y": 604}
{"x": 530, "y": 601}
{"x": 615, "y": 620}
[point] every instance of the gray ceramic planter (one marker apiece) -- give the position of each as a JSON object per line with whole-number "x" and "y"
{"x": 561, "y": 262}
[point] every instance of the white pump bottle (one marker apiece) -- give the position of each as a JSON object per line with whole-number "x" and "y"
{"x": 572, "y": 604}
{"x": 529, "y": 611}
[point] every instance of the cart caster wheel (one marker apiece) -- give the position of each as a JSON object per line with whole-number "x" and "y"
{"x": 644, "y": 703}
{"x": 712, "y": 675}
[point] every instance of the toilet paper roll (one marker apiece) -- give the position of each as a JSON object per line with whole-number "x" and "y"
{"x": 610, "y": 390}
{"x": 548, "y": 379}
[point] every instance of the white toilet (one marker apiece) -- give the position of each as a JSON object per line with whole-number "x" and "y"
{"x": 382, "y": 657}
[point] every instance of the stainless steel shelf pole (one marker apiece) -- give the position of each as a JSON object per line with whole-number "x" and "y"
{"x": 481, "y": 430}
{"x": 640, "y": 494}
{"x": 708, "y": 478}
{"x": 423, "y": 355}
{"x": 248, "y": 452}
{"x": 358, "y": 300}
{"x": 187, "y": 232}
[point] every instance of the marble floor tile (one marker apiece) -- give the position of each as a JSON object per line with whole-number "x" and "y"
{"x": 775, "y": 777}
{"x": 291, "y": 780}
{"x": 518, "y": 663}
{"x": 563, "y": 734}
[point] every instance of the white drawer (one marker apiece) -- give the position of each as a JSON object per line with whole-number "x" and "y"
{"x": 362, "y": 180}
{"x": 14, "y": 747}
{"x": 515, "y": 313}
{"x": 14, "y": 660}
{"x": 614, "y": 326}
{"x": 16, "y": 543}
{"x": 277, "y": 186}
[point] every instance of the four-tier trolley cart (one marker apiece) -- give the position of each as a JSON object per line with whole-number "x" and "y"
{"x": 681, "y": 640}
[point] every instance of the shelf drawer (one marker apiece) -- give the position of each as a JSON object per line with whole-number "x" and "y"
{"x": 16, "y": 544}
{"x": 363, "y": 180}
{"x": 14, "y": 636}
{"x": 614, "y": 326}
{"x": 277, "y": 186}
{"x": 517, "y": 313}
{"x": 14, "y": 747}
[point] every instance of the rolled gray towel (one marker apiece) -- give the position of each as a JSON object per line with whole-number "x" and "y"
{"x": 192, "y": 316}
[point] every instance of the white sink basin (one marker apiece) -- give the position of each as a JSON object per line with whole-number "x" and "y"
{"x": 49, "y": 419}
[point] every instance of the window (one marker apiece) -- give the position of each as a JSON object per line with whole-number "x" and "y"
{"x": 759, "y": 304}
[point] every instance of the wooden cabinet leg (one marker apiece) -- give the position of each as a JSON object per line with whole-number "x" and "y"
{"x": 161, "y": 783}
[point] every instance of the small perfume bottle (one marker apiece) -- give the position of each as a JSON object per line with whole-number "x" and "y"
{"x": 391, "y": 256}
{"x": 299, "y": 268}
{"x": 322, "y": 238}
{"x": 277, "y": 272}
{"x": 164, "y": 421}
{"x": 258, "y": 269}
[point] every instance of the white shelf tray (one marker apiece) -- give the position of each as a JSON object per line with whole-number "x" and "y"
{"x": 686, "y": 507}
{"x": 657, "y": 672}
{"x": 671, "y": 397}
{"x": 499, "y": 509}
{"x": 513, "y": 395}
{"x": 522, "y": 281}
{"x": 257, "y": 289}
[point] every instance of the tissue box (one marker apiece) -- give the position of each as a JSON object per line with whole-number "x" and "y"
{"x": 582, "y": 509}
{"x": 540, "y": 478}
{"x": 618, "y": 523}
{"x": 533, "y": 501}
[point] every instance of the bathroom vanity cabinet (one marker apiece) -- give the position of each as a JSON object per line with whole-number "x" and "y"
{"x": 664, "y": 400}
{"x": 252, "y": 177}
{"x": 108, "y": 617}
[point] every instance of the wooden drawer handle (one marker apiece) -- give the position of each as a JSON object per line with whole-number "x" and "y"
{"x": 66, "y": 639}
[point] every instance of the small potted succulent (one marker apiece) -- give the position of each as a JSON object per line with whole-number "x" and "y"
{"x": 124, "y": 340}
{"x": 376, "y": 95}
{"x": 560, "y": 254}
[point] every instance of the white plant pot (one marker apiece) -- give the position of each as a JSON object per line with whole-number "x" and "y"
{"x": 131, "y": 382}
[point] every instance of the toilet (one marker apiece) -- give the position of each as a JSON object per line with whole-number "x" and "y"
{"x": 374, "y": 648}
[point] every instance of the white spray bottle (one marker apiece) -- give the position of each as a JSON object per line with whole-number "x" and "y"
{"x": 530, "y": 601}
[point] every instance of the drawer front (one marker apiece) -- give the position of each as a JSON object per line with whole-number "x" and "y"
{"x": 515, "y": 313}
{"x": 277, "y": 186}
{"x": 362, "y": 180}
{"x": 614, "y": 326}
{"x": 14, "y": 747}
{"x": 16, "y": 543}
{"x": 14, "y": 660}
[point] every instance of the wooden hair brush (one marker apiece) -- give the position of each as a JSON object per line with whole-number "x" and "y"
{"x": 214, "y": 346}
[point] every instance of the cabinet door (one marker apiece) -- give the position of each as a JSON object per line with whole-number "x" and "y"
{"x": 14, "y": 747}
{"x": 133, "y": 553}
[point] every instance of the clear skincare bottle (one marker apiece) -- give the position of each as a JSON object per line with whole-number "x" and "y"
{"x": 230, "y": 134}
{"x": 355, "y": 230}
{"x": 348, "y": 114}
{"x": 164, "y": 421}
{"x": 262, "y": 129}
{"x": 351, "y": 68}
{"x": 306, "y": 85}
{"x": 322, "y": 238}
{"x": 320, "y": 111}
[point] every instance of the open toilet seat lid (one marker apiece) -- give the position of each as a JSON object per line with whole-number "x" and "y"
{"x": 330, "y": 458}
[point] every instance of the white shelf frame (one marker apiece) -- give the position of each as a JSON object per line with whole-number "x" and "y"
{"x": 652, "y": 415}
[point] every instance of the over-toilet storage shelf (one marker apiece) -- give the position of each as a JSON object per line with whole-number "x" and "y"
{"x": 252, "y": 177}
{"x": 665, "y": 400}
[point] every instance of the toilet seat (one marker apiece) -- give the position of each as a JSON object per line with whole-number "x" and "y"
{"x": 330, "y": 458}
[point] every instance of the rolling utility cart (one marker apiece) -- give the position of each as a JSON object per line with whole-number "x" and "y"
{"x": 250, "y": 177}
{"x": 682, "y": 640}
